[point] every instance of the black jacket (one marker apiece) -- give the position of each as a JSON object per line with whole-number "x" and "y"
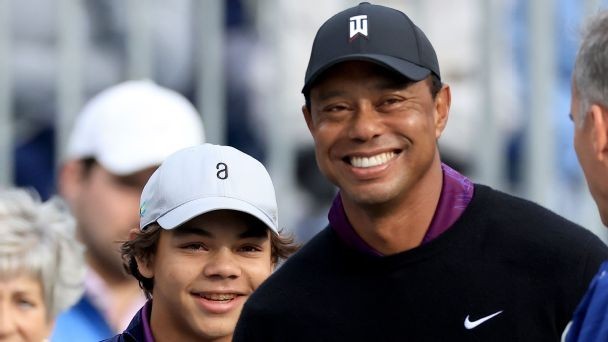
{"x": 507, "y": 270}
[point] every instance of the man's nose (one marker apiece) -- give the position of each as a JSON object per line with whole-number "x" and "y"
{"x": 366, "y": 123}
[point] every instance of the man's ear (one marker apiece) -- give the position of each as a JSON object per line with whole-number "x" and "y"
{"x": 144, "y": 266}
{"x": 443, "y": 101}
{"x": 71, "y": 177}
{"x": 307, "y": 117}
{"x": 599, "y": 119}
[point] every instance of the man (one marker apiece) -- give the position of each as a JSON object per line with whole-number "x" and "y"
{"x": 414, "y": 251}
{"x": 589, "y": 111}
{"x": 208, "y": 238}
{"x": 118, "y": 140}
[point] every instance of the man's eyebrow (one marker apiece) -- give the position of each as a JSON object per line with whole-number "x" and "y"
{"x": 329, "y": 94}
{"x": 393, "y": 84}
{"x": 382, "y": 85}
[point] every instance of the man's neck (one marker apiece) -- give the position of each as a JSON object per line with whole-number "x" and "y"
{"x": 401, "y": 226}
{"x": 120, "y": 297}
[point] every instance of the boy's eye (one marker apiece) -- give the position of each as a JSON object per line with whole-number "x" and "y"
{"x": 250, "y": 248}
{"x": 196, "y": 246}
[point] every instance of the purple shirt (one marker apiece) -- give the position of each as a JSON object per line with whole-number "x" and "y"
{"x": 148, "y": 337}
{"x": 456, "y": 193}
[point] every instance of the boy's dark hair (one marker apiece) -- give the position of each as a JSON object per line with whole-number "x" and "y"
{"x": 145, "y": 243}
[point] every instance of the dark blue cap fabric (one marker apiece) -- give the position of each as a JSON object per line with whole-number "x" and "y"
{"x": 373, "y": 33}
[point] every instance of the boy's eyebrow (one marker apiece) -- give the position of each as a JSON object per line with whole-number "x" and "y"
{"x": 252, "y": 232}
{"x": 185, "y": 230}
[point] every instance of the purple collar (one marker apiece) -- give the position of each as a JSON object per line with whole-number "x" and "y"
{"x": 456, "y": 193}
{"x": 145, "y": 319}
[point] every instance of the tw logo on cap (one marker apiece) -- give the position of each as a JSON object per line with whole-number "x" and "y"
{"x": 358, "y": 26}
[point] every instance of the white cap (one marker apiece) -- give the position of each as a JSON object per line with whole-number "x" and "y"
{"x": 204, "y": 178}
{"x": 134, "y": 125}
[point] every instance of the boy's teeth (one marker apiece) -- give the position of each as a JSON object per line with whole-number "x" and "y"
{"x": 220, "y": 296}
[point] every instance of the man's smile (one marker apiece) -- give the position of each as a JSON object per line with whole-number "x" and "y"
{"x": 371, "y": 161}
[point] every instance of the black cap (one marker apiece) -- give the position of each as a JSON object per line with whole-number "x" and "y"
{"x": 373, "y": 33}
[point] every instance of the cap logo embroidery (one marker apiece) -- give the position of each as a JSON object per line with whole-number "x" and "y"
{"x": 142, "y": 209}
{"x": 358, "y": 26}
{"x": 222, "y": 172}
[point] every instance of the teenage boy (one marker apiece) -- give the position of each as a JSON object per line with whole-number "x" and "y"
{"x": 208, "y": 237}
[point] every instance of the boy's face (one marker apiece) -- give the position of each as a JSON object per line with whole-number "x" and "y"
{"x": 204, "y": 271}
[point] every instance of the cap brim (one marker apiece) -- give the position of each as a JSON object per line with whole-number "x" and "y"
{"x": 190, "y": 210}
{"x": 408, "y": 69}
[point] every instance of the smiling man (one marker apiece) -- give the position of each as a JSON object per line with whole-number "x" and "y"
{"x": 414, "y": 250}
{"x": 208, "y": 238}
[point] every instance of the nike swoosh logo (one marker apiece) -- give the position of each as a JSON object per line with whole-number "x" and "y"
{"x": 473, "y": 324}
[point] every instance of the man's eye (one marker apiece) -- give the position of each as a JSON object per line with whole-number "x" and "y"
{"x": 336, "y": 108}
{"x": 391, "y": 101}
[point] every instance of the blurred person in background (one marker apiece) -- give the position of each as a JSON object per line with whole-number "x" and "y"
{"x": 118, "y": 140}
{"x": 41, "y": 265}
{"x": 104, "y": 57}
{"x": 589, "y": 113}
{"x": 208, "y": 237}
{"x": 103, "y": 31}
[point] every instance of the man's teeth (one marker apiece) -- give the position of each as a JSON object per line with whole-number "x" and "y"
{"x": 376, "y": 160}
{"x": 220, "y": 296}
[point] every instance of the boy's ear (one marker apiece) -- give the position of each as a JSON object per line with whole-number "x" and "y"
{"x": 145, "y": 267}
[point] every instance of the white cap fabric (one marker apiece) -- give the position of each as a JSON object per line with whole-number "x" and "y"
{"x": 134, "y": 125}
{"x": 204, "y": 178}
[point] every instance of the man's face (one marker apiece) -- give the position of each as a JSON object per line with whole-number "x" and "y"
{"x": 204, "y": 271}
{"x": 23, "y": 310}
{"x": 375, "y": 136}
{"x": 586, "y": 153}
{"x": 106, "y": 207}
